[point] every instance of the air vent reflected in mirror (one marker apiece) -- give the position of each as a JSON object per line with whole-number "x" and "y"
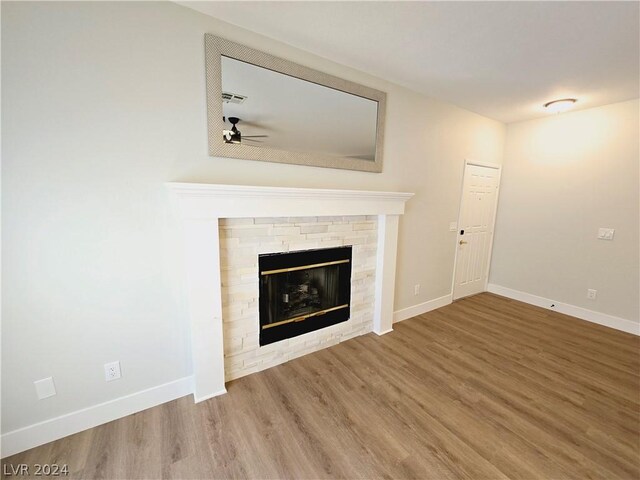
{"x": 228, "y": 97}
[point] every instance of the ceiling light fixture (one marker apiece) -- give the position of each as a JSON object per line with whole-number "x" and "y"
{"x": 559, "y": 106}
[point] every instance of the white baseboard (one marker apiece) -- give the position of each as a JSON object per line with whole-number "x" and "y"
{"x": 49, "y": 430}
{"x": 421, "y": 308}
{"x": 579, "y": 312}
{"x": 44, "y": 432}
{"x": 207, "y": 397}
{"x": 384, "y": 332}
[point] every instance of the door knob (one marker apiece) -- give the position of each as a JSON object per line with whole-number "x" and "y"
{"x": 462, "y": 242}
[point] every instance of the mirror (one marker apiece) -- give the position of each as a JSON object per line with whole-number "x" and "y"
{"x": 266, "y": 108}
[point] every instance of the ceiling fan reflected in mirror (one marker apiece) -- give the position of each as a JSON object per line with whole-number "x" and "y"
{"x": 235, "y": 136}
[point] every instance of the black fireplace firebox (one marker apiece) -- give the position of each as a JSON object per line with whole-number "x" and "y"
{"x": 303, "y": 291}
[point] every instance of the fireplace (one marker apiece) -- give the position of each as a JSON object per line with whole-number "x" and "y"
{"x": 303, "y": 291}
{"x": 221, "y": 264}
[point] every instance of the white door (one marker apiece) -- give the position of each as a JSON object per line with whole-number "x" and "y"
{"x": 475, "y": 229}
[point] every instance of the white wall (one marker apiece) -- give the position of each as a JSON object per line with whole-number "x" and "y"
{"x": 104, "y": 102}
{"x": 564, "y": 177}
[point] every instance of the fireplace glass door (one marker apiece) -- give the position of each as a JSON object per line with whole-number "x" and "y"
{"x": 303, "y": 291}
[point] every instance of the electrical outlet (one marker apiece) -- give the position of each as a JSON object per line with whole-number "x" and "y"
{"x": 592, "y": 294}
{"x": 111, "y": 371}
{"x": 416, "y": 289}
{"x": 45, "y": 388}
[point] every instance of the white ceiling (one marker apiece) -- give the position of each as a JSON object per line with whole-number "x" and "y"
{"x": 298, "y": 115}
{"x": 499, "y": 59}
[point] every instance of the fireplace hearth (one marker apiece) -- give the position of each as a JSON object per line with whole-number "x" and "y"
{"x": 303, "y": 291}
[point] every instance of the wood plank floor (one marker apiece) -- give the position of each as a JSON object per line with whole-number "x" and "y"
{"x": 486, "y": 388}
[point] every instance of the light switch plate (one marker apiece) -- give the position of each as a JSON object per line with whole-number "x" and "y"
{"x": 606, "y": 233}
{"x": 45, "y": 388}
{"x": 453, "y": 226}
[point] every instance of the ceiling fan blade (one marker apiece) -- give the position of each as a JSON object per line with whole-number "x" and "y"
{"x": 249, "y": 123}
{"x": 251, "y": 140}
{"x": 255, "y": 136}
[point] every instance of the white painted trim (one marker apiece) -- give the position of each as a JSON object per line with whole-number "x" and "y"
{"x": 251, "y": 191}
{"x": 201, "y": 206}
{"x": 47, "y": 431}
{"x": 202, "y": 260}
{"x": 383, "y": 333}
{"x": 578, "y": 312}
{"x": 457, "y": 235}
{"x": 385, "y": 273}
{"x": 420, "y": 308}
{"x": 198, "y": 200}
{"x": 197, "y": 399}
{"x": 468, "y": 161}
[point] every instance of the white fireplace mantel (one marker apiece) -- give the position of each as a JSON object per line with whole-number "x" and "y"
{"x": 202, "y": 205}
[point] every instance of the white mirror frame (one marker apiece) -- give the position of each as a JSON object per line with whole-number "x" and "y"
{"x": 216, "y": 47}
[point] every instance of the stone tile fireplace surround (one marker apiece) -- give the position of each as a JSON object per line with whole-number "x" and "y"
{"x": 243, "y": 239}
{"x": 226, "y": 227}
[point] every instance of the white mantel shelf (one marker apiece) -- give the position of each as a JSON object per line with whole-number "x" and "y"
{"x": 199, "y": 200}
{"x": 202, "y": 205}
